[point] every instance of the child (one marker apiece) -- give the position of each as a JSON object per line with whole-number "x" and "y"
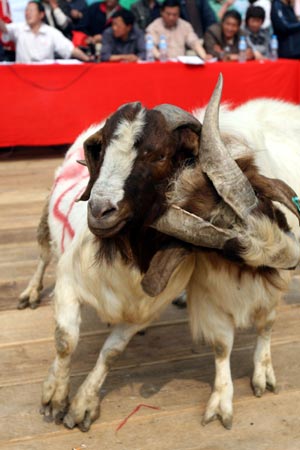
{"x": 257, "y": 38}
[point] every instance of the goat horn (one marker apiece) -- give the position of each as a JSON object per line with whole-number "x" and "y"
{"x": 177, "y": 117}
{"x": 227, "y": 178}
{"x": 188, "y": 227}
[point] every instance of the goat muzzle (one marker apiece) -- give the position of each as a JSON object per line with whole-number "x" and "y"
{"x": 106, "y": 219}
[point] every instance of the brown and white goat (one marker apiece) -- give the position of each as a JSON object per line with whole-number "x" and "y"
{"x": 141, "y": 162}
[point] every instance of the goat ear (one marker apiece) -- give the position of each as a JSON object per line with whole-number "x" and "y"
{"x": 189, "y": 140}
{"x": 186, "y": 124}
{"x": 161, "y": 268}
{"x": 278, "y": 191}
{"x": 92, "y": 149}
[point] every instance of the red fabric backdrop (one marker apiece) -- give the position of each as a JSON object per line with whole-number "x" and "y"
{"x": 52, "y": 104}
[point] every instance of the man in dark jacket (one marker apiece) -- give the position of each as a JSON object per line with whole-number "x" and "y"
{"x": 287, "y": 29}
{"x": 123, "y": 41}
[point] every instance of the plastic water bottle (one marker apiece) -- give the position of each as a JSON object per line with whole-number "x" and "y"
{"x": 163, "y": 49}
{"x": 274, "y": 48}
{"x": 242, "y": 49}
{"x": 149, "y": 48}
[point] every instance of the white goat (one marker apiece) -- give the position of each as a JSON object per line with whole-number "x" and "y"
{"x": 221, "y": 294}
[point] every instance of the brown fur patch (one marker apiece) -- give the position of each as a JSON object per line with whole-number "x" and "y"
{"x": 62, "y": 342}
{"x": 220, "y": 350}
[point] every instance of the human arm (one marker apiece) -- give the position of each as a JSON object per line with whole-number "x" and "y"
{"x": 123, "y": 58}
{"x": 3, "y": 27}
{"x": 212, "y": 45}
{"x": 61, "y": 18}
{"x": 96, "y": 39}
{"x": 192, "y": 41}
{"x": 226, "y": 5}
{"x": 140, "y": 44}
{"x": 279, "y": 21}
{"x": 152, "y": 31}
{"x": 79, "y": 54}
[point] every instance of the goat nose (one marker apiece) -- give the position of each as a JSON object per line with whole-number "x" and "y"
{"x": 101, "y": 208}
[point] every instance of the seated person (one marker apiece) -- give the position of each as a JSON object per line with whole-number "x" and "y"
{"x": 123, "y": 41}
{"x": 266, "y": 5}
{"x": 287, "y": 29}
{"x": 178, "y": 32}
{"x": 145, "y": 11}
{"x": 97, "y": 18}
{"x": 221, "y": 39}
{"x": 36, "y": 41}
{"x": 257, "y": 38}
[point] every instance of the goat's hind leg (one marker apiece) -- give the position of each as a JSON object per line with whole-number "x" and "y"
{"x": 85, "y": 406}
{"x": 220, "y": 403}
{"x": 31, "y": 295}
{"x": 263, "y": 376}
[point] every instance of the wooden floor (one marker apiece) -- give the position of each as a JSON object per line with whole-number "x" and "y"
{"x": 162, "y": 368}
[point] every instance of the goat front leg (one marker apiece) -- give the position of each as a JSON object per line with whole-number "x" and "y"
{"x": 220, "y": 402}
{"x": 85, "y": 407}
{"x": 263, "y": 376}
{"x": 31, "y": 295}
{"x": 55, "y": 389}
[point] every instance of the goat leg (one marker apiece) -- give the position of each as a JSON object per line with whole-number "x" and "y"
{"x": 55, "y": 389}
{"x": 31, "y": 295}
{"x": 85, "y": 406}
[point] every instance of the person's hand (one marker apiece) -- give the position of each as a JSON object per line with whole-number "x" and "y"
{"x": 249, "y": 54}
{"x": 89, "y": 40}
{"x": 208, "y": 57}
{"x": 75, "y": 14}
{"x": 130, "y": 58}
{"x": 53, "y": 4}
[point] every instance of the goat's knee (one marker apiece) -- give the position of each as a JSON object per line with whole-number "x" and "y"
{"x": 65, "y": 342}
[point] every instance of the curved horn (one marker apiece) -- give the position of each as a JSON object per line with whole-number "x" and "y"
{"x": 187, "y": 227}
{"x": 177, "y": 117}
{"x": 217, "y": 163}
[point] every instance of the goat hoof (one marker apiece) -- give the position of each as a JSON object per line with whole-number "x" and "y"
{"x": 23, "y": 303}
{"x": 206, "y": 420}
{"x": 227, "y": 422}
{"x": 83, "y": 426}
{"x": 82, "y": 412}
{"x": 46, "y": 412}
{"x": 35, "y": 304}
{"x": 69, "y": 422}
{"x": 258, "y": 391}
{"x": 272, "y": 388}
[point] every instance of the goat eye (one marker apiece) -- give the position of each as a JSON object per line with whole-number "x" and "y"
{"x": 161, "y": 158}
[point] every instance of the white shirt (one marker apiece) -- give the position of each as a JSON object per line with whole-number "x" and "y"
{"x": 38, "y": 46}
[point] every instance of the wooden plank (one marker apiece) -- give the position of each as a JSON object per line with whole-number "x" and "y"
{"x": 180, "y": 390}
{"x": 29, "y": 360}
